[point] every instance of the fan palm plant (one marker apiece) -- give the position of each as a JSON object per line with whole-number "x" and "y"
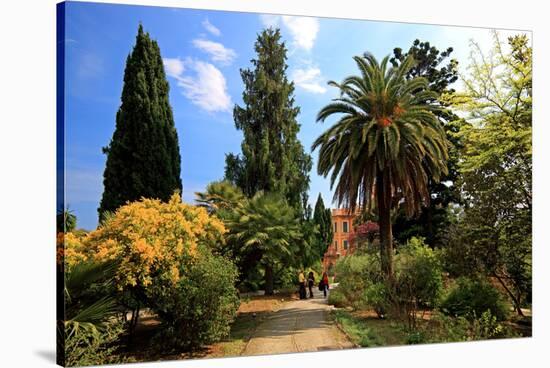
{"x": 385, "y": 145}
{"x": 268, "y": 225}
{"x": 220, "y": 196}
{"x": 86, "y": 312}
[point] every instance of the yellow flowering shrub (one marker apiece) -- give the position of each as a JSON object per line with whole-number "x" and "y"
{"x": 71, "y": 249}
{"x": 164, "y": 258}
{"x": 151, "y": 238}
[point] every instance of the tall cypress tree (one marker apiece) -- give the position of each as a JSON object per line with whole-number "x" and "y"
{"x": 323, "y": 218}
{"x": 273, "y": 159}
{"x": 143, "y": 157}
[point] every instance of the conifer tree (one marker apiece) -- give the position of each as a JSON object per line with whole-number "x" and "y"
{"x": 273, "y": 159}
{"x": 143, "y": 157}
{"x": 323, "y": 218}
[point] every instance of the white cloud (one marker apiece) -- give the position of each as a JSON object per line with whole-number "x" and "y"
{"x": 202, "y": 83}
{"x": 216, "y": 50}
{"x": 173, "y": 67}
{"x": 309, "y": 79}
{"x": 302, "y": 29}
{"x": 211, "y": 28}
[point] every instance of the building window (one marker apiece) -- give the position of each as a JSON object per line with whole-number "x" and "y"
{"x": 335, "y": 227}
{"x": 336, "y": 245}
{"x": 345, "y": 244}
{"x": 345, "y": 226}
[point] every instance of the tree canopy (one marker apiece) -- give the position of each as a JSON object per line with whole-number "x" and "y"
{"x": 272, "y": 159}
{"x": 143, "y": 157}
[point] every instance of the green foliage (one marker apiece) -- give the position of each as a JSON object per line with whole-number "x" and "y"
{"x": 418, "y": 273}
{"x": 99, "y": 348}
{"x": 322, "y": 217}
{"x": 470, "y": 298}
{"x": 66, "y": 221}
{"x": 266, "y": 237}
{"x": 441, "y": 72}
{"x": 273, "y": 159}
{"x": 221, "y": 198}
{"x": 143, "y": 157}
{"x": 361, "y": 283}
{"x": 200, "y": 308}
{"x": 376, "y": 295}
{"x": 496, "y": 167}
{"x": 337, "y": 298}
{"x": 268, "y": 228}
{"x": 357, "y": 330}
{"x": 443, "y": 328}
{"x": 418, "y": 280}
{"x": 387, "y": 140}
{"x": 88, "y": 297}
{"x": 416, "y": 337}
{"x": 90, "y": 333}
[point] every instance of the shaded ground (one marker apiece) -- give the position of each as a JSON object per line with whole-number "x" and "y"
{"x": 300, "y": 325}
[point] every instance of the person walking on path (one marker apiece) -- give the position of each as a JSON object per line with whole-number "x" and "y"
{"x": 323, "y": 284}
{"x": 302, "y": 283}
{"x": 310, "y": 283}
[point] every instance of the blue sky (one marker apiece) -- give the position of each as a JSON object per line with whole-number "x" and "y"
{"x": 203, "y": 52}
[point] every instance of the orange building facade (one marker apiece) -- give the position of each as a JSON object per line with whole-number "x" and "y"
{"x": 343, "y": 230}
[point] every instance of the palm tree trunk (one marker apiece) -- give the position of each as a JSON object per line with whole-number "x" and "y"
{"x": 383, "y": 194}
{"x": 268, "y": 279}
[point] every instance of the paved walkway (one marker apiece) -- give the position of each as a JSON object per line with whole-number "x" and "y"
{"x": 301, "y": 325}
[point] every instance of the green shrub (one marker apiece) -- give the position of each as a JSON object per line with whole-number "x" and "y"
{"x": 336, "y": 298}
{"x": 376, "y": 296}
{"x": 444, "y": 328}
{"x": 94, "y": 347}
{"x": 471, "y": 297}
{"x": 416, "y": 337}
{"x": 357, "y": 277}
{"x": 201, "y": 306}
{"x": 487, "y": 327}
{"x": 418, "y": 280}
{"x": 418, "y": 273}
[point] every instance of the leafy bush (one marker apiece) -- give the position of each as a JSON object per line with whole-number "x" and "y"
{"x": 471, "y": 297}
{"x": 337, "y": 298}
{"x": 418, "y": 273}
{"x": 360, "y": 280}
{"x": 376, "y": 295}
{"x": 416, "y": 337}
{"x": 165, "y": 261}
{"x": 444, "y": 328}
{"x": 418, "y": 280}
{"x": 98, "y": 347}
{"x": 201, "y": 306}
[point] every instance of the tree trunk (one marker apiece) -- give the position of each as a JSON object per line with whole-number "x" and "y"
{"x": 383, "y": 194}
{"x": 268, "y": 279}
{"x": 515, "y": 300}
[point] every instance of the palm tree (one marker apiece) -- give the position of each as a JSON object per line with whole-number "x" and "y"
{"x": 385, "y": 145}
{"x": 269, "y": 226}
{"x": 220, "y": 196}
{"x": 86, "y": 312}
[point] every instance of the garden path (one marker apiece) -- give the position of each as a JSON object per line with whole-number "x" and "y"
{"x": 300, "y": 326}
